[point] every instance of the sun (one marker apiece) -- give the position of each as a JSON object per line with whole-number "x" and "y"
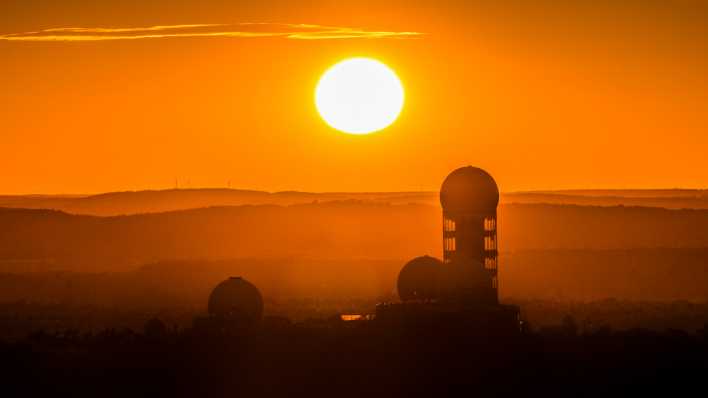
{"x": 359, "y": 96}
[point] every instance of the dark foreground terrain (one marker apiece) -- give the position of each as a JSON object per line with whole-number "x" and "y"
{"x": 333, "y": 358}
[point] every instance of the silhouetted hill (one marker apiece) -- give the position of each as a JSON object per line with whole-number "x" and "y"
{"x": 334, "y": 230}
{"x": 300, "y": 287}
{"x": 136, "y": 202}
{"x": 681, "y": 200}
{"x": 626, "y": 274}
{"x": 543, "y": 226}
{"x": 629, "y": 193}
{"x": 319, "y": 259}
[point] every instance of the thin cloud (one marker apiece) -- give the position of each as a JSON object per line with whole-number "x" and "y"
{"x": 240, "y": 30}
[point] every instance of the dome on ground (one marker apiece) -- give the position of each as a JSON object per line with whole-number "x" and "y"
{"x": 236, "y": 298}
{"x": 154, "y": 327}
{"x": 469, "y": 190}
{"x": 419, "y": 279}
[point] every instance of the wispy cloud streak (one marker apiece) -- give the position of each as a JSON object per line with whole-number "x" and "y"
{"x": 239, "y": 30}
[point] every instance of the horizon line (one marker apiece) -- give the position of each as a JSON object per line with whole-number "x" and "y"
{"x": 335, "y": 192}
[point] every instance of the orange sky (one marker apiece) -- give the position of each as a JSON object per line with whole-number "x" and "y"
{"x": 587, "y": 95}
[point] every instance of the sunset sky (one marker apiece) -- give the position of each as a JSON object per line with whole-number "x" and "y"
{"x": 588, "y": 94}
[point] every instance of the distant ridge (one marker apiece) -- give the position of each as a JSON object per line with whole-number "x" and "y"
{"x": 346, "y": 229}
{"x": 157, "y": 201}
{"x": 625, "y": 193}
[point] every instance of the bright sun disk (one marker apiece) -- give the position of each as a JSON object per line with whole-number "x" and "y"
{"x": 359, "y": 96}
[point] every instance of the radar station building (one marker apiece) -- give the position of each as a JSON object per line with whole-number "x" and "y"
{"x": 463, "y": 287}
{"x": 234, "y": 305}
{"x": 469, "y": 197}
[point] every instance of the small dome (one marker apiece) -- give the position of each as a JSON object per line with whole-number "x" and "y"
{"x": 154, "y": 327}
{"x": 419, "y": 279}
{"x": 469, "y": 190}
{"x": 236, "y": 298}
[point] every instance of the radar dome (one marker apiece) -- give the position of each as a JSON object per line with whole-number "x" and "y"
{"x": 469, "y": 190}
{"x": 419, "y": 279}
{"x": 236, "y": 298}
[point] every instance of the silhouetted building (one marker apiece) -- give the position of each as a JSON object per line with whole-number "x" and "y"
{"x": 236, "y": 298}
{"x": 463, "y": 288}
{"x": 233, "y": 304}
{"x": 469, "y": 197}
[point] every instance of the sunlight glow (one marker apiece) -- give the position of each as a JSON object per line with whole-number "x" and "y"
{"x": 359, "y": 96}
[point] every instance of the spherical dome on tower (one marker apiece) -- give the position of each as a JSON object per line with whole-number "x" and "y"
{"x": 236, "y": 298}
{"x": 469, "y": 190}
{"x": 419, "y": 279}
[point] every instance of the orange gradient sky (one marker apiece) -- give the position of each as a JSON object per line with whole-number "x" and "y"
{"x": 585, "y": 95}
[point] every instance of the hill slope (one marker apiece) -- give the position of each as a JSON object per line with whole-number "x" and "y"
{"x": 136, "y": 202}
{"x": 335, "y": 230}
